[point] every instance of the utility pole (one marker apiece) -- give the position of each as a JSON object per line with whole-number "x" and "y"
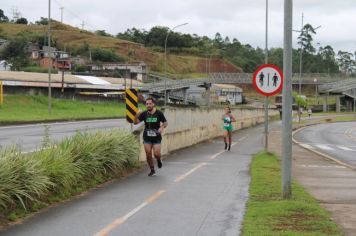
{"x": 301, "y": 58}
{"x": 287, "y": 102}
{"x": 165, "y": 62}
{"x": 49, "y": 59}
{"x": 300, "y": 67}
{"x": 266, "y": 97}
{"x": 61, "y": 14}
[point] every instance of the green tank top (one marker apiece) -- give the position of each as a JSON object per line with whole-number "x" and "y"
{"x": 227, "y": 122}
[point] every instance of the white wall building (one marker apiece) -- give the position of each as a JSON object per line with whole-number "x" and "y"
{"x": 4, "y": 66}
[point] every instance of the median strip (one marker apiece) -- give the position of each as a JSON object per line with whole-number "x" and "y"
{"x": 268, "y": 214}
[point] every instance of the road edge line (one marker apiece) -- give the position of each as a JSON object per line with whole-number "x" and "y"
{"x": 319, "y": 153}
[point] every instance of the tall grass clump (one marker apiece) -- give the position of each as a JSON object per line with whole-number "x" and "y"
{"x": 58, "y": 171}
{"x": 22, "y": 179}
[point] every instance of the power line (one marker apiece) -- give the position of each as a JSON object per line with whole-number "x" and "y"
{"x": 83, "y": 22}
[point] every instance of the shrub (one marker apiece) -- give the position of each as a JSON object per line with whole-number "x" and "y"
{"x": 106, "y": 55}
{"x": 58, "y": 171}
{"x": 37, "y": 69}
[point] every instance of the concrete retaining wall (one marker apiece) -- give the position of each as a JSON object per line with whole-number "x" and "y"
{"x": 189, "y": 126}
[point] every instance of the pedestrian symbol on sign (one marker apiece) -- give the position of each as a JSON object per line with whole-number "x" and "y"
{"x": 261, "y": 76}
{"x": 275, "y": 80}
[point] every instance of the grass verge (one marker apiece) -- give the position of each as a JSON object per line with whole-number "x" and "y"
{"x": 268, "y": 214}
{"x": 24, "y": 109}
{"x": 29, "y": 182}
{"x": 345, "y": 118}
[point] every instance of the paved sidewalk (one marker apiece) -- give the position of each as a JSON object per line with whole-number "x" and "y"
{"x": 330, "y": 183}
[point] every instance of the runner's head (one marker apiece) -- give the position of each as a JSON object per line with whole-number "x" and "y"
{"x": 227, "y": 110}
{"x": 150, "y": 103}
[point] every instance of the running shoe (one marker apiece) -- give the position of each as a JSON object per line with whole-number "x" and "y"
{"x": 152, "y": 173}
{"x": 159, "y": 163}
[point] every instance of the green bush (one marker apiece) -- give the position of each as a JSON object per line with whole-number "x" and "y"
{"x": 64, "y": 169}
{"x": 106, "y": 55}
{"x": 37, "y": 69}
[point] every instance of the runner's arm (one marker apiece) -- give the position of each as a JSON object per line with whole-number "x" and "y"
{"x": 164, "y": 123}
{"x": 138, "y": 117}
{"x": 233, "y": 119}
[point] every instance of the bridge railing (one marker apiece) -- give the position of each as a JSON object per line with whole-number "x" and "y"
{"x": 233, "y": 78}
{"x": 338, "y": 86}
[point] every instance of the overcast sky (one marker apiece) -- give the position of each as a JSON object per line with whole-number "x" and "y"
{"x": 241, "y": 19}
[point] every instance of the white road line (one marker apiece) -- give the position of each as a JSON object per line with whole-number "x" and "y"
{"x": 324, "y": 147}
{"x": 117, "y": 222}
{"x": 322, "y": 166}
{"x": 306, "y": 145}
{"x": 345, "y": 148}
{"x": 180, "y": 178}
{"x": 216, "y": 155}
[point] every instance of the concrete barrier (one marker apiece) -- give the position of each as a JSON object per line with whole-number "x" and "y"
{"x": 189, "y": 126}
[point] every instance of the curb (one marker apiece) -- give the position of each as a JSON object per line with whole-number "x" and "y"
{"x": 326, "y": 156}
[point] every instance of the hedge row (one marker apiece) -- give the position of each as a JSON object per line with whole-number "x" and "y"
{"x": 60, "y": 170}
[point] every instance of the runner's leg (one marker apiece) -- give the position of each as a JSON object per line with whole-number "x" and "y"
{"x": 148, "y": 150}
{"x": 225, "y": 138}
{"x": 230, "y": 134}
{"x": 157, "y": 153}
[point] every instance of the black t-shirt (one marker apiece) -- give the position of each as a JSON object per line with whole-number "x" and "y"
{"x": 152, "y": 124}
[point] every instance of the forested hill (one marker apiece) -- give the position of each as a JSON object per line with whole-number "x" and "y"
{"x": 188, "y": 55}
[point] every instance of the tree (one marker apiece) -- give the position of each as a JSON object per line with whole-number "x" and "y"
{"x": 15, "y": 53}
{"x": 327, "y": 53}
{"x": 105, "y": 55}
{"x": 42, "y": 21}
{"x": 156, "y": 36}
{"x": 306, "y": 39}
{"x": 103, "y": 33}
{"x": 3, "y": 18}
{"x": 21, "y": 20}
{"x": 346, "y": 62}
{"x": 218, "y": 41}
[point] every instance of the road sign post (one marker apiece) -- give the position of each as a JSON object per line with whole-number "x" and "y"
{"x": 1, "y": 93}
{"x": 131, "y": 104}
{"x": 268, "y": 81}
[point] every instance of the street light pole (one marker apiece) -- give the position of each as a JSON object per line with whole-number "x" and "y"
{"x": 301, "y": 59}
{"x": 287, "y": 102}
{"x": 49, "y": 59}
{"x": 316, "y": 90}
{"x": 165, "y": 62}
{"x": 266, "y": 97}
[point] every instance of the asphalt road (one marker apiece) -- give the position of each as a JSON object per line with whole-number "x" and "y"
{"x": 30, "y": 137}
{"x": 201, "y": 190}
{"x": 335, "y": 139}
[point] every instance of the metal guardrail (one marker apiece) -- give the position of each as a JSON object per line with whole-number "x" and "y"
{"x": 231, "y": 78}
{"x": 338, "y": 86}
{"x": 351, "y": 93}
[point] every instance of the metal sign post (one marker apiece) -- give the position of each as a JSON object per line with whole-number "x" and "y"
{"x": 1, "y": 93}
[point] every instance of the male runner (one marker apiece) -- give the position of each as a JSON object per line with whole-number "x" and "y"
{"x": 155, "y": 122}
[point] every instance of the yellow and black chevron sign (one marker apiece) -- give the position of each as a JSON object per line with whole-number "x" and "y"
{"x": 131, "y": 104}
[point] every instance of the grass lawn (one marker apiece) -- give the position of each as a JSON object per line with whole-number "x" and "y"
{"x": 21, "y": 108}
{"x": 268, "y": 214}
{"x": 345, "y": 118}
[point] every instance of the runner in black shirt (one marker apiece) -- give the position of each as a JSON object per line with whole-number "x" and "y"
{"x": 155, "y": 122}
